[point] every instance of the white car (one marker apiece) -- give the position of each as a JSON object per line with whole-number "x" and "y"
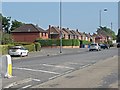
{"x": 94, "y": 46}
{"x": 18, "y": 51}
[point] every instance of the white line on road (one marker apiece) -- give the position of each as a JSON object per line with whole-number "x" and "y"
{"x": 36, "y": 80}
{"x": 27, "y": 69}
{"x": 56, "y": 66}
{"x": 26, "y": 86}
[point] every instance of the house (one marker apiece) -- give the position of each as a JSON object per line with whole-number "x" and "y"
{"x": 70, "y": 35}
{"x": 28, "y": 33}
{"x": 76, "y": 35}
{"x": 53, "y": 32}
{"x": 88, "y": 37}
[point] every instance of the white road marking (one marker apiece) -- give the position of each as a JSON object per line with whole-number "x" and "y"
{"x": 19, "y": 82}
{"x": 36, "y": 80}
{"x": 27, "y": 69}
{"x": 57, "y": 66}
{"x": 26, "y": 86}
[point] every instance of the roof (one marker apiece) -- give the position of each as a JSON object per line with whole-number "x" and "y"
{"x": 67, "y": 30}
{"x": 75, "y": 32}
{"x": 28, "y": 28}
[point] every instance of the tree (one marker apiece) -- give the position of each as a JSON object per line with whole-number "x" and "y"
{"x": 107, "y": 31}
{"x": 6, "y": 38}
{"x": 15, "y": 24}
{"x": 118, "y": 35}
{"x": 5, "y": 23}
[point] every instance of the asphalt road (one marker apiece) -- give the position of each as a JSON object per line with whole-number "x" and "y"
{"x": 28, "y": 72}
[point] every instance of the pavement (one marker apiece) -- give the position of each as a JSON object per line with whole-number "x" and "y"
{"x": 53, "y": 52}
{"x": 97, "y": 75}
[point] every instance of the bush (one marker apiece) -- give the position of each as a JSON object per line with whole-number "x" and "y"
{"x": 86, "y": 42}
{"x": 30, "y": 47}
{"x": 37, "y": 46}
{"x": 66, "y": 42}
{"x": 22, "y": 43}
{"x": 56, "y": 42}
{"x": 4, "y": 49}
{"x": 75, "y": 42}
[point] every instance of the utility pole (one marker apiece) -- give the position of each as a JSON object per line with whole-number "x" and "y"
{"x": 60, "y": 26}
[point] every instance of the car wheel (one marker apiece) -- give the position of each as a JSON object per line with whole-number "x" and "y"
{"x": 21, "y": 54}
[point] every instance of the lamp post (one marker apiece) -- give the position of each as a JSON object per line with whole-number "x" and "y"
{"x": 100, "y": 16}
{"x": 60, "y": 26}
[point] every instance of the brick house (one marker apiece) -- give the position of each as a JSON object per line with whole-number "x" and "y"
{"x": 55, "y": 32}
{"x": 28, "y": 33}
{"x": 70, "y": 35}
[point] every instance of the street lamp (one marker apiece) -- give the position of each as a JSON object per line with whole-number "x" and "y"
{"x": 60, "y": 27}
{"x": 100, "y": 16}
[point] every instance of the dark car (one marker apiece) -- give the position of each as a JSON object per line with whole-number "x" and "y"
{"x": 104, "y": 46}
{"x": 118, "y": 45}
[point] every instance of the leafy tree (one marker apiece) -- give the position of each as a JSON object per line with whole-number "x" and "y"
{"x": 5, "y": 23}
{"x": 16, "y": 24}
{"x": 107, "y": 31}
{"x": 118, "y": 35}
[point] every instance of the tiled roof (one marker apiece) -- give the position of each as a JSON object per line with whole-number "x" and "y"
{"x": 67, "y": 30}
{"x": 28, "y": 28}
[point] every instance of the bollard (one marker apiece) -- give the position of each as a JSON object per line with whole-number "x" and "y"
{"x": 7, "y": 66}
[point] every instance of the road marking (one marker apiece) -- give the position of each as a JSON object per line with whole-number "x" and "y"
{"x": 36, "y": 80}
{"x": 57, "y": 66}
{"x": 18, "y": 82}
{"x": 27, "y": 69}
{"x": 26, "y": 86}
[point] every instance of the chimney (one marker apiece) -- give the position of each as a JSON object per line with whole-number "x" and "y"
{"x": 76, "y": 30}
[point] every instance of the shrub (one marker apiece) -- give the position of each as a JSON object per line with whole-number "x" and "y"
{"x": 56, "y": 42}
{"x": 22, "y": 43}
{"x": 66, "y": 42}
{"x": 4, "y": 49}
{"x": 37, "y": 46}
{"x": 30, "y": 47}
{"x": 86, "y": 42}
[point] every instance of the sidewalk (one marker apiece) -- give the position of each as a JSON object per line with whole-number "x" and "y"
{"x": 94, "y": 76}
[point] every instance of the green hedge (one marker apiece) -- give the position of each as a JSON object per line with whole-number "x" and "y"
{"x": 86, "y": 42}
{"x": 3, "y": 49}
{"x": 56, "y": 42}
{"x": 30, "y": 47}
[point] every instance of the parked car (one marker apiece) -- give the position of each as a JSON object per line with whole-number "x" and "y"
{"x": 104, "y": 46}
{"x": 18, "y": 51}
{"x": 118, "y": 45}
{"x": 94, "y": 46}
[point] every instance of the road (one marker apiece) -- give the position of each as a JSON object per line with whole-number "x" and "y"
{"x": 28, "y": 72}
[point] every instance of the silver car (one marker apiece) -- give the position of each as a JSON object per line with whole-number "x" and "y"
{"x": 18, "y": 51}
{"x": 94, "y": 46}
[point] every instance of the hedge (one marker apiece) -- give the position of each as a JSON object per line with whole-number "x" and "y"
{"x": 4, "y": 49}
{"x": 30, "y": 47}
{"x": 85, "y": 42}
{"x": 56, "y": 42}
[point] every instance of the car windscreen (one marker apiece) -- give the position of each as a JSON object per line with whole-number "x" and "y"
{"x": 93, "y": 44}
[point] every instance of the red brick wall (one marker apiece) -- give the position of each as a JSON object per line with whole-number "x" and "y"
{"x": 25, "y": 37}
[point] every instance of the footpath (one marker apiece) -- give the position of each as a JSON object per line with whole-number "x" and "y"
{"x": 103, "y": 74}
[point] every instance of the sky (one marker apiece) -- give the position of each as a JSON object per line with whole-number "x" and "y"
{"x": 74, "y": 15}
